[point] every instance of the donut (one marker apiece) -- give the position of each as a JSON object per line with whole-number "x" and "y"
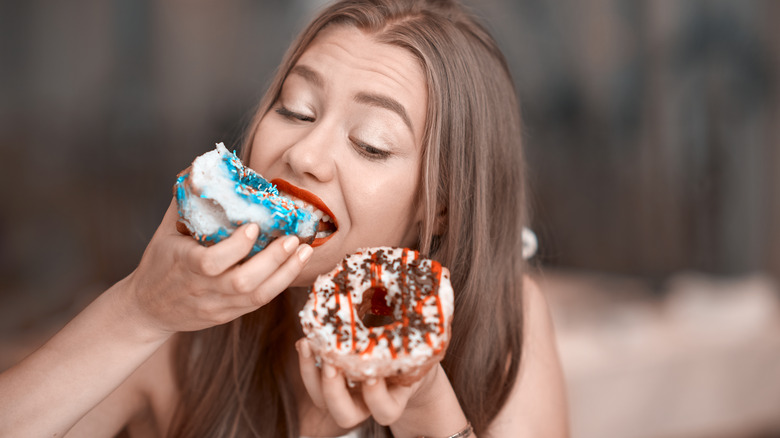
{"x": 381, "y": 312}
{"x": 217, "y": 194}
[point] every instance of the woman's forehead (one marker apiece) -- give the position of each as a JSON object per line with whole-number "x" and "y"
{"x": 362, "y": 50}
{"x": 345, "y": 59}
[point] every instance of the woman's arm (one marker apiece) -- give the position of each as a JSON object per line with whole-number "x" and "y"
{"x": 537, "y": 405}
{"x": 143, "y": 403}
{"x": 49, "y": 391}
{"x": 179, "y": 285}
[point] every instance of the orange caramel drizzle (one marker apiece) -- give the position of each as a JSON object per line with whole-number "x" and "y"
{"x": 352, "y": 320}
{"x": 372, "y": 342}
{"x": 412, "y": 302}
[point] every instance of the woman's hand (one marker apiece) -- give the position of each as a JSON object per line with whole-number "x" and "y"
{"x": 428, "y": 407}
{"x": 181, "y": 285}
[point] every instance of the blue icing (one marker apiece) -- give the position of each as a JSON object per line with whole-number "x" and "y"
{"x": 253, "y": 188}
{"x": 181, "y": 193}
{"x": 216, "y": 237}
{"x": 253, "y": 179}
{"x": 247, "y": 177}
{"x": 261, "y": 243}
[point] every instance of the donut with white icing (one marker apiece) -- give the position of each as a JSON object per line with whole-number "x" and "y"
{"x": 382, "y": 312}
{"x": 217, "y": 194}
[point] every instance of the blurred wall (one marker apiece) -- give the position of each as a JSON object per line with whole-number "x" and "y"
{"x": 652, "y": 129}
{"x": 103, "y": 103}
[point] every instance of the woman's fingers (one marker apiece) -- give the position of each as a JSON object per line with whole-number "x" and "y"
{"x": 246, "y": 277}
{"x": 386, "y": 404}
{"x": 216, "y": 259}
{"x": 347, "y": 410}
{"x": 230, "y": 284}
{"x": 309, "y": 372}
{"x": 328, "y": 390}
{"x": 266, "y": 274}
{"x": 282, "y": 277}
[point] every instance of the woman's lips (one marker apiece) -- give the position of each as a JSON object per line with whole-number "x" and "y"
{"x": 311, "y": 199}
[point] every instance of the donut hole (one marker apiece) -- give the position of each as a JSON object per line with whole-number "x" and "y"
{"x": 373, "y": 310}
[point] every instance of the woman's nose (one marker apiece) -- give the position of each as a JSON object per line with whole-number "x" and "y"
{"x": 312, "y": 154}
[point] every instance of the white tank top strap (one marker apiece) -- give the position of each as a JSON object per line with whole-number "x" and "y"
{"x": 352, "y": 434}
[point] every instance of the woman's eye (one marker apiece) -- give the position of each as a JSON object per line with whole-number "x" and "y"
{"x": 368, "y": 151}
{"x": 284, "y": 112}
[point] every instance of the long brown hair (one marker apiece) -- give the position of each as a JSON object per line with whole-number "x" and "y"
{"x": 234, "y": 378}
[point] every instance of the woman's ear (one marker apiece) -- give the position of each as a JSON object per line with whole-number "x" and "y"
{"x": 440, "y": 223}
{"x": 415, "y": 233}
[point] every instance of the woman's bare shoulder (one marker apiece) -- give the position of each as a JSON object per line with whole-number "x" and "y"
{"x": 142, "y": 405}
{"x": 537, "y": 405}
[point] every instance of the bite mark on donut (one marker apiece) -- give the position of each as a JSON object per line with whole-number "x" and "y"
{"x": 327, "y": 224}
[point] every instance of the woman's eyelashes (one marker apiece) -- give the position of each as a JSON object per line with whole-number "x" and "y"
{"x": 292, "y": 115}
{"x": 364, "y": 149}
{"x": 368, "y": 151}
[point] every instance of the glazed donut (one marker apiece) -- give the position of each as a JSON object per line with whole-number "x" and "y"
{"x": 382, "y": 312}
{"x": 217, "y": 193}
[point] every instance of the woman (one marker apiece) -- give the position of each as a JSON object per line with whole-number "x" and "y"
{"x": 400, "y": 118}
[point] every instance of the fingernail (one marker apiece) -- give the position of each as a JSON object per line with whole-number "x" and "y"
{"x": 290, "y": 243}
{"x": 304, "y": 252}
{"x": 252, "y": 230}
{"x": 329, "y": 371}
{"x": 371, "y": 382}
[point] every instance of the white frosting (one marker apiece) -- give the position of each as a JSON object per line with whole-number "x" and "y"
{"x": 370, "y": 351}
{"x": 209, "y": 174}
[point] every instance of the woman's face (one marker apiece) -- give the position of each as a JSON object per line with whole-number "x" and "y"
{"x": 345, "y": 136}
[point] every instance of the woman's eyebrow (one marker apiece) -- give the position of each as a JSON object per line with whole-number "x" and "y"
{"x": 387, "y": 103}
{"x": 309, "y": 75}
{"x": 378, "y": 100}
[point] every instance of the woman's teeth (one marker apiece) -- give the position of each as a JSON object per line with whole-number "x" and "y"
{"x": 326, "y": 227}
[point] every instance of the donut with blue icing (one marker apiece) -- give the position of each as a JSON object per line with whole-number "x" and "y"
{"x": 217, "y": 194}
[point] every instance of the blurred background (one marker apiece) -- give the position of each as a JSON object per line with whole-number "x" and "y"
{"x": 652, "y": 131}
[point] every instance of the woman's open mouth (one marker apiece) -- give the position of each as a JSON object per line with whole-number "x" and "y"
{"x": 327, "y": 225}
